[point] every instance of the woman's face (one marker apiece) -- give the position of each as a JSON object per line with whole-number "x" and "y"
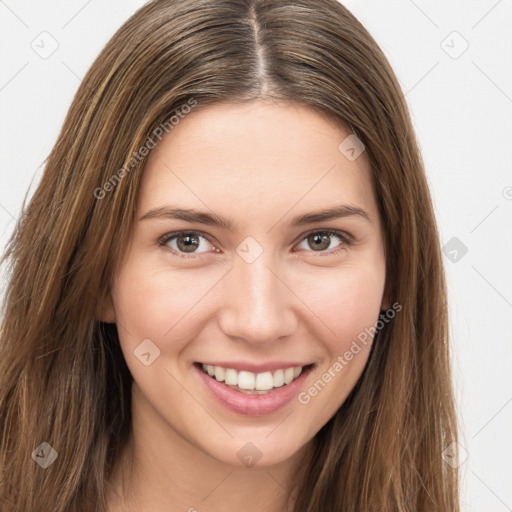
{"x": 227, "y": 266}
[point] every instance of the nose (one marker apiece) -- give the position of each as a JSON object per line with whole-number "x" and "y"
{"x": 257, "y": 304}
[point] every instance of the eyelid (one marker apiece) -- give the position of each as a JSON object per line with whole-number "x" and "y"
{"x": 346, "y": 238}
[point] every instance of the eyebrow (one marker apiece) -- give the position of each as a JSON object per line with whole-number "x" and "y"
{"x": 211, "y": 219}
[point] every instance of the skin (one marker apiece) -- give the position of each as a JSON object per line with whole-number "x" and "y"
{"x": 260, "y": 164}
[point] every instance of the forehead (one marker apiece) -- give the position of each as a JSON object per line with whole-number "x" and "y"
{"x": 247, "y": 158}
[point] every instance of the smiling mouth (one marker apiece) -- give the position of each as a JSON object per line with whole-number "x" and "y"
{"x": 253, "y": 383}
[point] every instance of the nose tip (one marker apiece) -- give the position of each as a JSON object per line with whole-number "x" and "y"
{"x": 258, "y": 307}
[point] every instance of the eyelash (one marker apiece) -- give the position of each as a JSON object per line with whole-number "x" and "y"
{"x": 345, "y": 238}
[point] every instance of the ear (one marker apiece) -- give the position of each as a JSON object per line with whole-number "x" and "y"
{"x": 386, "y": 304}
{"x": 386, "y": 300}
{"x": 105, "y": 311}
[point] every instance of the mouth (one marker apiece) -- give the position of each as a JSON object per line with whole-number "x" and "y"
{"x": 252, "y": 383}
{"x": 249, "y": 393}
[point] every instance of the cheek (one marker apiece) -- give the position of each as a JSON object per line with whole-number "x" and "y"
{"x": 346, "y": 301}
{"x": 159, "y": 305}
{"x": 149, "y": 303}
{"x": 348, "y": 307}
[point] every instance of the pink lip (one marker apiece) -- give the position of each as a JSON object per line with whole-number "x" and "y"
{"x": 255, "y": 368}
{"x": 252, "y": 405}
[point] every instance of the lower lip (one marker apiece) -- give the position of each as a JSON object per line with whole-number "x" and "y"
{"x": 253, "y": 405}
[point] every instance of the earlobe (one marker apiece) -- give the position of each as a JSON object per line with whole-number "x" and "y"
{"x": 105, "y": 311}
{"x": 386, "y": 304}
{"x": 386, "y": 301}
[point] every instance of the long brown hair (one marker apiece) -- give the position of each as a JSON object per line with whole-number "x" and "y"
{"x": 63, "y": 379}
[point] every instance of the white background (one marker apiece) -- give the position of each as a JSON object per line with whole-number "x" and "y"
{"x": 461, "y": 109}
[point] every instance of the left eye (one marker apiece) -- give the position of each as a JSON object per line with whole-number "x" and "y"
{"x": 321, "y": 241}
{"x": 188, "y": 242}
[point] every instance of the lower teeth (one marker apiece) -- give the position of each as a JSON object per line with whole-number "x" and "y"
{"x": 250, "y": 391}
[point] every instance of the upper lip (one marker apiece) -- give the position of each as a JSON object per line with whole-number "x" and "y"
{"x": 255, "y": 368}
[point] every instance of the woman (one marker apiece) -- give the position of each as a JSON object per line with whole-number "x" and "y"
{"x": 227, "y": 291}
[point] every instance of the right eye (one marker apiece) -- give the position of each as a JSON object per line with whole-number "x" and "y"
{"x": 184, "y": 243}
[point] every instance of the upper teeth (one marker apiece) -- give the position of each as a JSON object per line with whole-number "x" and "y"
{"x": 249, "y": 380}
